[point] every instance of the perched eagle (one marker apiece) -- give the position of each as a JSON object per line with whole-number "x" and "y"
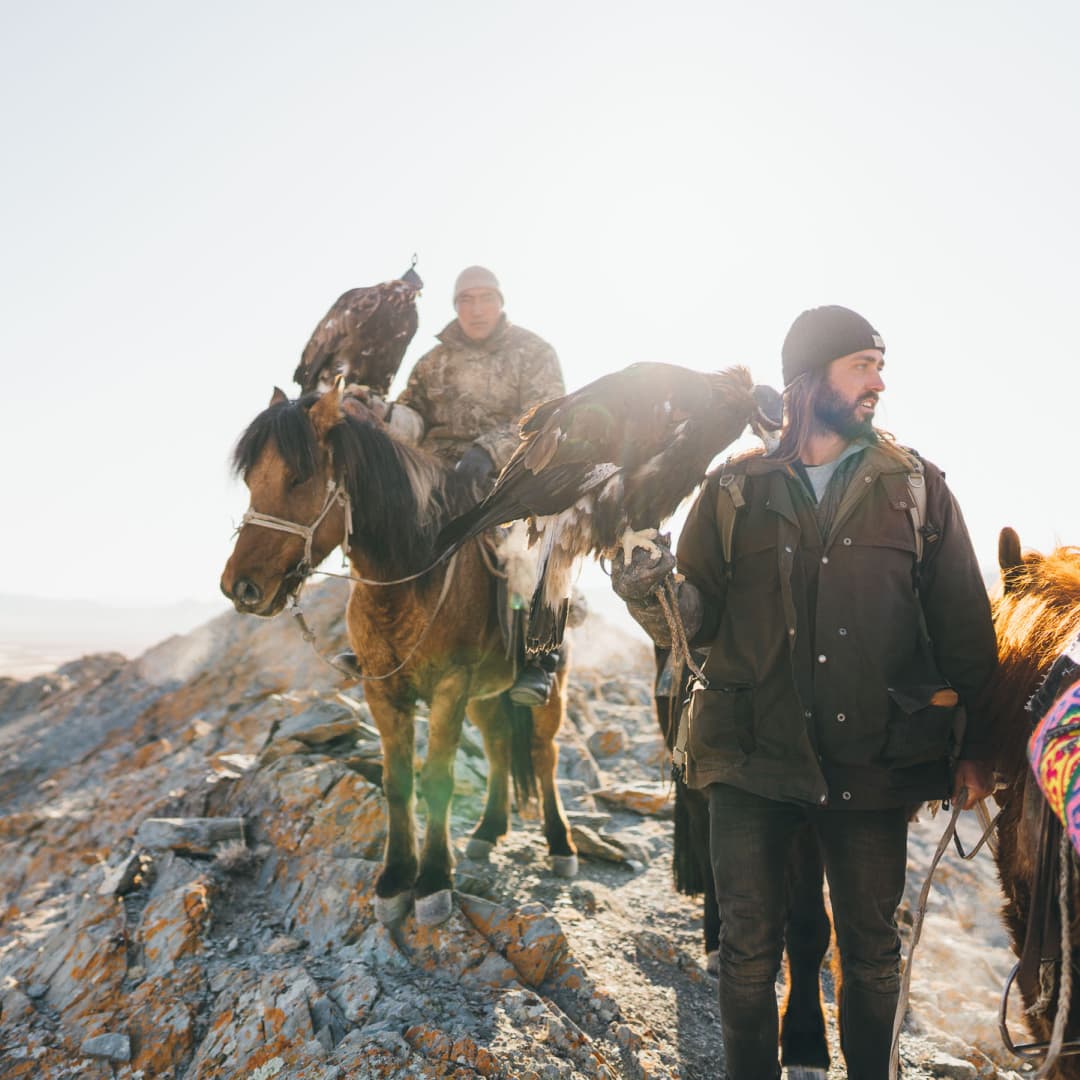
{"x": 600, "y": 469}
{"x": 362, "y": 337}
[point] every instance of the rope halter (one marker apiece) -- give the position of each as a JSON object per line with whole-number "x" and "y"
{"x": 336, "y": 495}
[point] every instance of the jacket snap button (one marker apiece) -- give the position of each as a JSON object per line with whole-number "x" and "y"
{"x": 791, "y": 631}
{"x": 902, "y": 504}
{"x": 847, "y": 796}
{"x": 824, "y": 558}
{"x": 847, "y": 541}
{"x": 807, "y": 713}
{"x": 823, "y": 800}
{"x": 840, "y": 717}
{"x": 867, "y": 479}
{"x": 821, "y": 659}
{"x": 788, "y": 550}
{"x": 843, "y": 631}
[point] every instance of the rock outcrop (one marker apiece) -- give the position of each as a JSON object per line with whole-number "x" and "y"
{"x": 189, "y": 845}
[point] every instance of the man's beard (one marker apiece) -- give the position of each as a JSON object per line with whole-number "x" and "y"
{"x": 833, "y": 413}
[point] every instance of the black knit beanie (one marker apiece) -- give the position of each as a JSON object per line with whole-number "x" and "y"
{"x": 821, "y": 335}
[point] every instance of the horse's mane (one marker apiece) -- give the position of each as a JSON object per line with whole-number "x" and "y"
{"x": 289, "y": 429}
{"x": 1036, "y": 610}
{"x": 401, "y": 495}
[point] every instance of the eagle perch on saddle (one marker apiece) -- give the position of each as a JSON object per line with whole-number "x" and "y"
{"x": 598, "y": 471}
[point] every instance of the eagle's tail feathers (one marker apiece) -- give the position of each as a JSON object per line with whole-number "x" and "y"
{"x": 546, "y": 624}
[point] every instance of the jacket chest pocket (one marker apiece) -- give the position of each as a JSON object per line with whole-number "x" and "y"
{"x": 884, "y": 522}
{"x": 722, "y": 722}
{"x": 754, "y": 556}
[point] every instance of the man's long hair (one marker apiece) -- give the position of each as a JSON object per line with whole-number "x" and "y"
{"x": 800, "y": 399}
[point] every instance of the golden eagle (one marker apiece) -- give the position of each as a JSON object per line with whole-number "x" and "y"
{"x": 599, "y": 470}
{"x": 363, "y": 337}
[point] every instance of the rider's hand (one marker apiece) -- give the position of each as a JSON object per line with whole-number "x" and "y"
{"x": 476, "y": 466}
{"x": 977, "y": 777}
{"x": 636, "y": 582}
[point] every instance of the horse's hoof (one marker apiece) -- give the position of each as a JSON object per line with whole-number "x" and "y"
{"x": 712, "y": 966}
{"x": 564, "y": 865}
{"x": 434, "y": 909}
{"x": 390, "y": 910}
{"x": 478, "y": 850}
{"x": 804, "y": 1072}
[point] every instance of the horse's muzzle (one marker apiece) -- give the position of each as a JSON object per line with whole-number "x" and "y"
{"x": 245, "y": 595}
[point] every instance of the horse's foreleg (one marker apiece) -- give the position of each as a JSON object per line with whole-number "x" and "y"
{"x": 435, "y": 880}
{"x": 495, "y": 823}
{"x": 395, "y": 880}
{"x": 802, "y": 1033}
{"x": 547, "y": 719}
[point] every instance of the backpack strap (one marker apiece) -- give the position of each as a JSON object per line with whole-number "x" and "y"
{"x": 916, "y": 485}
{"x": 726, "y": 512}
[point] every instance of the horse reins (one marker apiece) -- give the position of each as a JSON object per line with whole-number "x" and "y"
{"x": 337, "y": 495}
{"x": 950, "y": 834}
{"x": 1057, "y": 1046}
{"x": 309, "y": 635}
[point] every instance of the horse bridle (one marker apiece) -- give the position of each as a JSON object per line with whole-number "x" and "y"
{"x": 336, "y": 495}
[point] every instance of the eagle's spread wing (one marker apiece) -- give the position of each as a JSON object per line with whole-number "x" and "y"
{"x": 571, "y": 445}
{"x": 362, "y": 337}
{"x": 616, "y": 456}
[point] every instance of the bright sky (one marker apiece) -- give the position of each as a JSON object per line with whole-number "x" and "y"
{"x": 187, "y": 188}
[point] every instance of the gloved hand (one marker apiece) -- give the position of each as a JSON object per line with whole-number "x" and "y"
{"x": 637, "y": 582}
{"x": 476, "y": 466}
{"x": 362, "y": 403}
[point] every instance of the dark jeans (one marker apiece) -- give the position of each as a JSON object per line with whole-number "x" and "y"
{"x": 865, "y": 854}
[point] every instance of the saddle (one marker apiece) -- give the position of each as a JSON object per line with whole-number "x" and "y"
{"x": 1054, "y": 746}
{"x": 1054, "y": 754}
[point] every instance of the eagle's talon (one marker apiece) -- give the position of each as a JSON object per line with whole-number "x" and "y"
{"x": 644, "y": 539}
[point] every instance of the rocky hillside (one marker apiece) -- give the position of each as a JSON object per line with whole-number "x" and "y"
{"x": 189, "y": 846}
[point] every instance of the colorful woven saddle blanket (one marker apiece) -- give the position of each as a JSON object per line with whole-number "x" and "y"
{"x": 1054, "y": 746}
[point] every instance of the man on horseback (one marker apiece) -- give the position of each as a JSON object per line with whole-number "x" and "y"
{"x": 847, "y": 626}
{"x": 464, "y": 399}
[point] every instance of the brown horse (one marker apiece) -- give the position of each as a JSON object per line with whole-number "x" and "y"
{"x": 1037, "y": 616}
{"x": 319, "y": 478}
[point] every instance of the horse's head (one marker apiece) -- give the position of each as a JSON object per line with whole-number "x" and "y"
{"x": 1037, "y": 605}
{"x": 297, "y": 514}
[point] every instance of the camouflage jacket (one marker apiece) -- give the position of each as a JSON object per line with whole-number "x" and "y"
{"x": 464, "y": 392}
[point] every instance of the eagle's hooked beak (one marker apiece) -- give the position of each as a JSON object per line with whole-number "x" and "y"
{"x": 769, "y": 417}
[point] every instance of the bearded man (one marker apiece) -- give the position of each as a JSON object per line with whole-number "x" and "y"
{"x": 847, "y": 626}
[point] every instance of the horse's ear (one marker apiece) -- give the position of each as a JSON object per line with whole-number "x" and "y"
{"x": 326, "y": 412}
{"x": 277, "y": 397}
{"x": 1010, "y": 558}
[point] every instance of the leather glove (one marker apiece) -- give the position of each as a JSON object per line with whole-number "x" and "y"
{"x": 637, "y": 582}
{"x": 363, "y": 403}
{"x": 476, "y": 466}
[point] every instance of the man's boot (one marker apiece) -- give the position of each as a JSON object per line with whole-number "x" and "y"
{"x": 532, "y": 687}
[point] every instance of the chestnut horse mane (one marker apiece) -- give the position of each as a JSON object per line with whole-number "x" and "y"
{"x": 401, "y": 496}
{"x": 1036, "y": 610}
